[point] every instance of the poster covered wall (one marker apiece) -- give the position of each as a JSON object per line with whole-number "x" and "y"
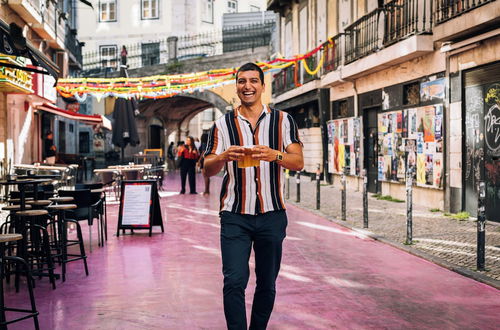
{"x": 344, "y": 146}
{"x": 411, "y": 137}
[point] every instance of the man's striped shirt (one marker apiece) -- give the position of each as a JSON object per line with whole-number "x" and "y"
{"x": 258, "y": 189}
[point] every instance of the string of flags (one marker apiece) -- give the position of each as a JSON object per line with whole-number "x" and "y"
{"x": 164, "y": 86}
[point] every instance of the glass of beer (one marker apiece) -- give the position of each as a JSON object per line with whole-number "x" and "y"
{"x": 247, "y": 160}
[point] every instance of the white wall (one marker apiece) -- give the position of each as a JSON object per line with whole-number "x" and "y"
{"x": 176, "y": 17}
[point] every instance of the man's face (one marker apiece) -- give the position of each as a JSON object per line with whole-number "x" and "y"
{"x": 249, "y": 87}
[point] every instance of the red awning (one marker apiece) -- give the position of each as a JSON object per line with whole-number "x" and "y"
{"x": 87, "y": 119}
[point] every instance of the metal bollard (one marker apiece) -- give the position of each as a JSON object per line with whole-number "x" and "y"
{"x": 409, "y": 206}
{"x": 298, "y": 187}
{"x": 318, "y": 188}
{"x": 481, "y": 225}
{"x": 344, "y": 197}
{"x": 365, "y": 200}
{"x": 287, "y": 175}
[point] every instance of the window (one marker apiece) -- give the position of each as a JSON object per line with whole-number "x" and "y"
{"x": 84, "y": 142}
{"x": 232, "y": 6}
{"x": 149, "y": 9}
{"x": 71, "y": 128}
{"x": 107, "y": 10}
{"x": 109, "y": 56}
{"x": 303, "y": 30}
{"x": 150, "y": 53}
{"x": 288, "y": 37}
{"x": 254, "y": 8}
{"x": 207, "y": 11}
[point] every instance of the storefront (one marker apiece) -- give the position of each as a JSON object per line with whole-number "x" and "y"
{"x": 481, "y": 139}
{"x": 399, "y": 127}
{"x": 15, "y": 87}
{"x": 309, "y": 111}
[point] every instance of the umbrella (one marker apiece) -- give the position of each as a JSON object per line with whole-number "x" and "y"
{"x": 124, "y": 126}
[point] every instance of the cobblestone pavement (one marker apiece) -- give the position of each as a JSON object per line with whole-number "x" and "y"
{"x": 437, "y": 235}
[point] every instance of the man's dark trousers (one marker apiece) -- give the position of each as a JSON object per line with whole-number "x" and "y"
{"x": 238, "y": 232}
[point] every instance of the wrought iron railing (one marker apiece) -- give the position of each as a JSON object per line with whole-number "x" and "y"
{"x": 447, "y": 9}
{"x": 332, "y": 54}
{"x": 362, "y": 37}
{"x": 73, "y": 45}
{"x": 284, "y": 80}
{"x": 404, "y": 18}
{"x": 188, "y": 46}
{"x": 311, "y": 63}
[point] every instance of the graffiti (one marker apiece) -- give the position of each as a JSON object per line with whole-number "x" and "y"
{"x": 492, "y": 128}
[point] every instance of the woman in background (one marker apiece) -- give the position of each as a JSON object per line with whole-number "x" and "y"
{"x": 189, "y": 156}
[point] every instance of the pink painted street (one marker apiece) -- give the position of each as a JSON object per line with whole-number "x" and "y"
{"x": 330, "y": 277}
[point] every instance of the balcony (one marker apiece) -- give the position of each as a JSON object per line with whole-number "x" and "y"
{"x": 362, "y": 36}
{"x": 284, "y": 80}
{"x": 74, "y": 47}
{"x": 459, "y": 19}
{"x": 29, "y": 10}
{"x": 446, "y": 10}
{"x": 332, "y": 54}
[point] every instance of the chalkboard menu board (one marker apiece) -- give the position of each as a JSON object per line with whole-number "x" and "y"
{"x": 139, "y": 206}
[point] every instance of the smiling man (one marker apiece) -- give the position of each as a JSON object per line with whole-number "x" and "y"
{"x": 252, "y": 209}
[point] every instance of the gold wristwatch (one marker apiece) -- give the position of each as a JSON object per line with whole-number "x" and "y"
{"x": 279, "y": 157}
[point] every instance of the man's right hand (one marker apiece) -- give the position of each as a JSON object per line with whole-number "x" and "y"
{"x": 231, "y": 154}
{"x": 214, "y": 163}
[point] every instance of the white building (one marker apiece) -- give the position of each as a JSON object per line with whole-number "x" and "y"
{"x": 114, "y": 23}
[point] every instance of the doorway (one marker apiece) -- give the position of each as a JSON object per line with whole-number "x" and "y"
{"x": 370, "y": 144}
{"x": 482, "y": 139}
{"x": 155, "y": 136}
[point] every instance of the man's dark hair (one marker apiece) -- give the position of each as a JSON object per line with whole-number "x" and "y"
{"x": 251, "y": 67}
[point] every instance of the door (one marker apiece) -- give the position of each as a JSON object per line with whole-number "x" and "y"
{"x": 370, "y": 132}
{"x": 482, "y": 139}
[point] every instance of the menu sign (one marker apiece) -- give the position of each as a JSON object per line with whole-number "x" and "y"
{"x": 139, "y": 206}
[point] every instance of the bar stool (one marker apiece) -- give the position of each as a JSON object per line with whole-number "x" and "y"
{"x": 9, "y": 226}
{"x": 64, "y": 243}
{"x": 38, "y": 204}
{"x": 6, "y": 238}
{"x": 63, "y": 199}
{"x": 35, "y": 247}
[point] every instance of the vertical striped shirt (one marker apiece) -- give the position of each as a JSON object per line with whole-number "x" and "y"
{"x": 258, "y": 189}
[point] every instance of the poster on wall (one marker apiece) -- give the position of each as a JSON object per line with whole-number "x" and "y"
{"x": 411, "y": 137}
{"x": 345, "y": 145}
{"x": 432, "y": 90}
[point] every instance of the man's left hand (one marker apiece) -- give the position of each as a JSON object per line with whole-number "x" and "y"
{"x": 264, "y": 153}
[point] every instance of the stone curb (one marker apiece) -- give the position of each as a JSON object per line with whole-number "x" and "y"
{"x": 436, "y": 260}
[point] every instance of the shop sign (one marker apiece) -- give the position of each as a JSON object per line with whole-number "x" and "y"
{"x": 14, "y": 80}
{"x": 43, "y": 86}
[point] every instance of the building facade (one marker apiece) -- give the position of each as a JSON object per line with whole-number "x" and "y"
{"x": 403, "y": 84}
{"x": 29, "y": 106}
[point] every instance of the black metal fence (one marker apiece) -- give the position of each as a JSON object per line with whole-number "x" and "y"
{"x": 404, "y": 18}
{"x": 284, "y": 80}
{"x": 188, "y": 46}
{"x": 447, "y": 9}
{"x": 362, "y": 37}
{"x": 332, "y": 55}
{"x": 73, "y": 45}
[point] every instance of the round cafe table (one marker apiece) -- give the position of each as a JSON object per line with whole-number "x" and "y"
{"x": 21, "y": 184}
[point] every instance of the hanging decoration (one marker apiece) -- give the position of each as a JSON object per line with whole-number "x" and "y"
{"x": 165, "y": 86}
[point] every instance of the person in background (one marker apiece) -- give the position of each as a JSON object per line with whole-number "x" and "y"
{"x": 123, "y": 55}
{"x": 49, "y": 148}
{"x": 203, "y": 147}
{"x": 171, "y": 156}
{"x": 188, "y": 155}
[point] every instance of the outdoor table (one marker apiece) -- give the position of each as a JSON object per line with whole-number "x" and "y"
{"x": 41, "y": 167}
{"x": 22, "y": 188}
